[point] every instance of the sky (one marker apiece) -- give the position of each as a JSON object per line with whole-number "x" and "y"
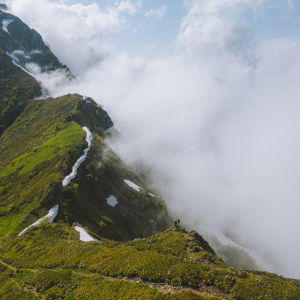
{"x": 205, "y": 94}
{"x": 155, "y": 24}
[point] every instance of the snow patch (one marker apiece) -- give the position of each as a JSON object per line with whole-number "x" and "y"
{"x": 5, "y": 23}
{"x": 111, "y": 200}
{"x": 81, "y": 159}
{"x": 50, "y": 216}
{"x": 133, "y": 185}
{"x": 86, "y": 99}
{"x": 12, "y": 56}
{"x": 84, "y": 236}
{"x": 151, "y": 195}
{"x": 15, "y": 60}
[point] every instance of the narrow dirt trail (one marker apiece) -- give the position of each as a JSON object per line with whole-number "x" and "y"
{"x": 26, "y": 289}
{"x": 161, "y": 287}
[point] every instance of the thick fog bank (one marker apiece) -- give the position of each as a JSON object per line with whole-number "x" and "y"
{"x": 213, "y": 125}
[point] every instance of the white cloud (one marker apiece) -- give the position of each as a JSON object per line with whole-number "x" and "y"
{"x": 73, "y": 31}
{"x": 129, "y": 6}
{"x": 159, "y": 12}
{"x": 216, "y": 27}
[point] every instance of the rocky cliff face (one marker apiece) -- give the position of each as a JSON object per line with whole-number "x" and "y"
{"x": 27, "y": 46}
{"x": 91, "y": 115}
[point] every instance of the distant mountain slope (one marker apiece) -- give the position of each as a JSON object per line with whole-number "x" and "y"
{"x": 3, "y": 7}
{"x": 21, "y": 47}
{"x": 27, "y": 45}
{"x": 16, "y": 87}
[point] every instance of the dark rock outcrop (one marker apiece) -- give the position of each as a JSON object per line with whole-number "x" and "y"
{"x": 89, "y": 113}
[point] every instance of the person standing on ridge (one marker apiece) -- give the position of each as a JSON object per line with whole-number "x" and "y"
{"x": 175, "y": 224}
{"x": 178, "y": 221}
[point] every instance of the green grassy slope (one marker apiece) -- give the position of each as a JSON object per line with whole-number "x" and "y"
{"x": 169, "y": 265}
{"x": 39, "y": 150}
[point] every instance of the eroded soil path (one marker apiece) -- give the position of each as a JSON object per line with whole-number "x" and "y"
{"x": 25, "y": 288}
{"x": 206, "y": 291}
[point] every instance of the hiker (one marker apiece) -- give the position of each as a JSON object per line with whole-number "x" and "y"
{"x": 178, "y": 221}
{"x": 175, "y": 224}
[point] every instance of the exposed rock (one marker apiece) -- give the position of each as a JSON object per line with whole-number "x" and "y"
{"x": 88, "y": 113}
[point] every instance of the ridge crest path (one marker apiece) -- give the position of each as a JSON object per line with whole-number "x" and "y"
{"x": 161, "y": 287}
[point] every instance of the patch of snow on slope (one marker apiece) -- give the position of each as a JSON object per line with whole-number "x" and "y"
{"x": 84, "y": 236}
{"x": 50, "y": 216}
{"x": 14, "y": 59}
{"x": 5, "y": 23}
{"x": 86, "y": 98}
{"x": 12, "y": 56}
{"x": 133, "y": 185}
{"x": 111, "y": 200}
{"x": 151, "y": 195}
{"x": 81, "y": 159}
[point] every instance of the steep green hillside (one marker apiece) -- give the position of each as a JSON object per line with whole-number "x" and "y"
{"x": 39, "y": 150}
{"x": 51, "y": 262}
